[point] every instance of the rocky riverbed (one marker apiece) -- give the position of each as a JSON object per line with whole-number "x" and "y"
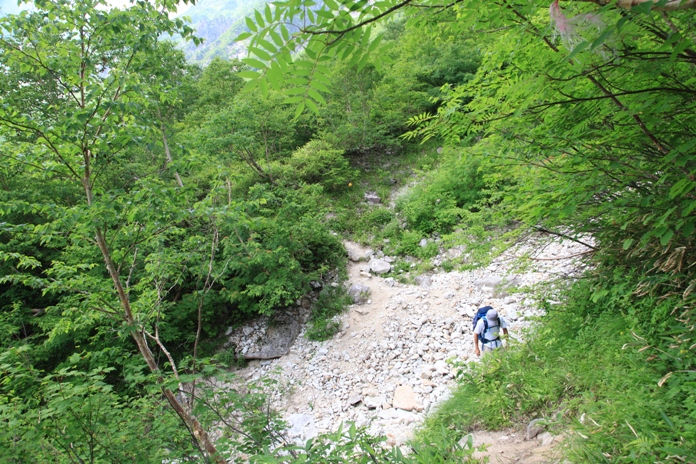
{"x": 395, "y": 356}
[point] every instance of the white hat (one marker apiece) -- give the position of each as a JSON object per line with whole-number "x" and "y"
{"x": 492, "y": 315}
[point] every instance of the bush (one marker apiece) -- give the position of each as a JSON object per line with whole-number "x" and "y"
{"x": 319, "y": 162}
{"x": 438, "y": 203}
{"x": 409, "y": 244}
{"x": 276, "y": 245}
{"x": 331, "y": 302}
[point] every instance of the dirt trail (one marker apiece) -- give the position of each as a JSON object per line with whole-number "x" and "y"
{"x": 390, "y": 363}
{"x": 510, "y": 447}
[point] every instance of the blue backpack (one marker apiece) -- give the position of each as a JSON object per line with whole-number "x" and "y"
{"x": 481, "y": 314}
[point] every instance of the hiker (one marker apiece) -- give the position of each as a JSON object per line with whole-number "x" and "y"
{"x": 487, "y": 329}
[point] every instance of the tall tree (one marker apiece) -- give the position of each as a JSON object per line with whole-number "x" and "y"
{"x": 74, "y": 99}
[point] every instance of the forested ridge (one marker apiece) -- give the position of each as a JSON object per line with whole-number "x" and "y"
{"x": 147, "y": 204}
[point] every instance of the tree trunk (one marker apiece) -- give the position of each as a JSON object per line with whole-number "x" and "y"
{"x": 199, "y": 434}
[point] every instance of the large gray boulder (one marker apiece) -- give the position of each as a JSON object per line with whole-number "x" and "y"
{"x": 302, "y": 426}
{"x": 372, "y": 198}
{"x": 374, "y": 402}
{"x": 359, "y": 293}
{"x": 379, "y": 266}
{"x": 277, "y": 340}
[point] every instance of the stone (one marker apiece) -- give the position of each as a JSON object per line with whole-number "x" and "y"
{"x": 276, "y": 342}
{"x": 442, "y": 367}
{"x": 406, "y": 416}
{"x": 546, "y": 438}
{"x": 423, "y": 243}
{"x": 404, "y": 398}
{"x": 424, "y": 281}
{"x": 359, "y": 293}
{"x": 372, "y": 198}
{"x": 379, "y": 266}
{"x": 390, "y": 281}
{"x": 374, "y": 402}
{"x": 535, "y": 427}
{"x": 467, "y": 441}
{"x": 356, "y": 252}
{"x": 301, "y": 426}
{"x": 353, "y": 400}
{"x": 511, "y": 314}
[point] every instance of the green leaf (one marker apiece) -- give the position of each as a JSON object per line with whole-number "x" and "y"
{"x": 254, "y": 63}
{"x": 666, "y": 237}
{"x": 260, "y": 53}
{"x": 251, "y": 25}
{"x": 578, "y": 48}
{"x": 293, "y": 100}
{"x": 267, "y": 45}
{"x": 249, "y": 74}
{"x": 312, "y": 106}
{"x": 316, "y": 96}
{"x": 243, "y": 36}
{"x": 319, "y": 86}
{"x": 259, "y": 18}
{"x": 277, "y": 39}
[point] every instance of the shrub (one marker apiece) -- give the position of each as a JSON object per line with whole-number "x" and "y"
{"x": 331, "y": 302}
{"x": 319, "y": 162}
{"x": 440, "y": 201}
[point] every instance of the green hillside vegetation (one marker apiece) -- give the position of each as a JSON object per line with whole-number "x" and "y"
{"x": 147, "y": 204}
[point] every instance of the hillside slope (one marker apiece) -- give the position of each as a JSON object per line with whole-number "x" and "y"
{"x": 218, "y": 22}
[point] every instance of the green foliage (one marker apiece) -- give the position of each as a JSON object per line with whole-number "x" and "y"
{"x": 437, "y": 203}
{"x": 275, "y": 246}
{"x": 352, "y": 444}
{"x": 331, "y": 302}
{"x": 318, "y": 162}
{"x": 74, "y": 415}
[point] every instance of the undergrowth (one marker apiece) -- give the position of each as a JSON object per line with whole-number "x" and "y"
{"x": 331, "y": 302}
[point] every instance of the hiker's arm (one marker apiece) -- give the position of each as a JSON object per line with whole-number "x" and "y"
{"x": 505, "y": 331}
{"x": 476, "y": 348}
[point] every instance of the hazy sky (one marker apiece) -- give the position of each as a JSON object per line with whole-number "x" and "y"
{"x": 10, "y": 6}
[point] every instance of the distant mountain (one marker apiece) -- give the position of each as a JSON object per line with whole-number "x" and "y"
{"x": 218, "y": 22}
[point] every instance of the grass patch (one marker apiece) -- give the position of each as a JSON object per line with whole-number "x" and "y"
{"x": 331, "y": 302}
